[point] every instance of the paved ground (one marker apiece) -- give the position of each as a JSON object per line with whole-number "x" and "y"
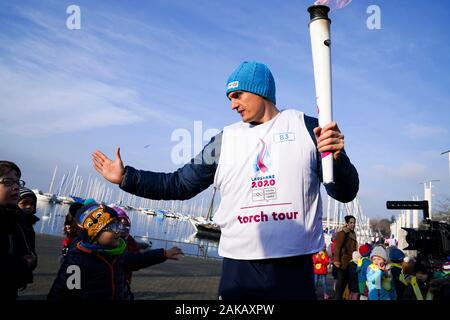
{"x": 188, "y": 278}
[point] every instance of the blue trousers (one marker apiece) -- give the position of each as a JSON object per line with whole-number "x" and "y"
{"x": 321, "y": 279}
{"x": 290, "y": 278}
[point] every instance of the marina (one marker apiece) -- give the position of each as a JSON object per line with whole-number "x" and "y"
{"x": 161, "y": 231}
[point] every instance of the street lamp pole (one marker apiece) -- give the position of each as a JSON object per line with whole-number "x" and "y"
{"x": 428, "y": 194}
{"x": 448, "y": 152}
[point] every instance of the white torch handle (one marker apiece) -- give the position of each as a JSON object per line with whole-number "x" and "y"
{"x": 321, "y": 53}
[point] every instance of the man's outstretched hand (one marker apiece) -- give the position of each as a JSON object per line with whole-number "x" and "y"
{"x": 112, "y": 171}
{"x": 173, "y": 253}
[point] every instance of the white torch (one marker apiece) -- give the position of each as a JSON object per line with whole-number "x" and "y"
{"x": 319, "y": 28}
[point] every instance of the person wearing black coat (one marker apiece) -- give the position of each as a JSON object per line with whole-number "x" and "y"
{"x": 17, "y": 256}
{"x": 17, "y": 259}
{"x": 95, "y": 267}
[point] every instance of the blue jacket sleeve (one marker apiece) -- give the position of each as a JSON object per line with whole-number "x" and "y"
{"x": 346, "y": 180}
{"x": 182, "y": 184}
{"x": 134, "y": 261}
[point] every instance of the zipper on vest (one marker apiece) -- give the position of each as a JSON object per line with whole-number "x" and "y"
{"x": 111, "y": 269}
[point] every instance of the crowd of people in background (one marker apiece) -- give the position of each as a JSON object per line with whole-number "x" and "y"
{"x": 376, "y": 271}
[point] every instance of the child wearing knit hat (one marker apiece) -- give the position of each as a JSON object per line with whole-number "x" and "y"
{"x": 94, "y": 268}
{"x": 70, "y": 227}
{"x": 27, "y": 201}
{"x": 379, "y": 278}
{"x": 396, "y": 257}
{"x": 132, "y": 244}
{"x": 363, "y": 263}
{"x": 419, "y": 287}
{"x": 353, "y": 283}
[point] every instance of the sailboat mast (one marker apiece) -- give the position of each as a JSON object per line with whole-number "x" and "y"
{"x": 61, "y": 185}
{"x": 73, "y": 180}
{"x": 53, "y": 180}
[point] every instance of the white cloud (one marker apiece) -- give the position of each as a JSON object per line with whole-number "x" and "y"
{"x": 414, "y": 130}
{"x": 53, "y": 80}
{"x": 36, "y": 105}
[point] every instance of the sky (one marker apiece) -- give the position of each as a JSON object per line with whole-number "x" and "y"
{"x": 142, "y": 74}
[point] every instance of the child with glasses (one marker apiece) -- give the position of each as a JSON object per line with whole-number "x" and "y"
{"x": 132, "y": 245}
{"x": 17, "y": 252}
{"x": 95, "y": 267}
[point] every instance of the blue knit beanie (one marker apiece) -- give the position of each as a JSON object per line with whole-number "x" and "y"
{"x": 395, "y": 254}
{"x": 254, "y": 77}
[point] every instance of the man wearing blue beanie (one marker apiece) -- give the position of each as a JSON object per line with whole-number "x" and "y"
{"x": 252, "y": 77}
{"x": 267, "y": 168}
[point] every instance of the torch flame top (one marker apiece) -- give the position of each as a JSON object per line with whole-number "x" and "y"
{"x": 318, "y": 12}
{"x": 333, "y": 4}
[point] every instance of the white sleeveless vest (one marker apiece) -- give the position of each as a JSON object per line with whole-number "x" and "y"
{"x": 270, "y": 191}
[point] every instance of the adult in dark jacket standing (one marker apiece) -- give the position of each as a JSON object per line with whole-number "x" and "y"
{"x": 17, "y": 257}
{"x": 95, "y": 268}
{"x": 346, "y": 244}
{"x": 266, "y": 167}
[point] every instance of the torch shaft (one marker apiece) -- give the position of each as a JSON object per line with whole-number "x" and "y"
{"x": 319, "y": 28}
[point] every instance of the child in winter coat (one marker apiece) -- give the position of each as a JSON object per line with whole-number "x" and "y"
{"x": 363, "y": 264}
{"x": 408, "y": 271}
{"x": 27, "y": 202}
{"x": 353, "y": 285}
{"x": 396, "y": 257}
{"x": 440, "y": 285}
{"x": 379, "y": 278}
{"x": 94, "y": 269}
{"x": 132, "y": 245}
{"x": 70, "y": 227}
{"x": 419, "y": 288}
{"x": 330, "y": 252}
{"x": 320, "y": 262}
